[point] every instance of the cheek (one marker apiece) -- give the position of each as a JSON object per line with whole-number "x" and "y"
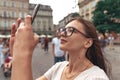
{"x": 77, "y": 43}
{"x": 72, "y": 44}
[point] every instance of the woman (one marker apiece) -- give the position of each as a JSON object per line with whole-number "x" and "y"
{"x": 79, "y": 38}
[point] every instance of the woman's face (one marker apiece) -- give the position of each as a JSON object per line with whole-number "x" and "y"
{"x": 76, "y": 40}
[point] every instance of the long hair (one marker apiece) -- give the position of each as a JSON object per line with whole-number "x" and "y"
{"x": 94, "y": 53}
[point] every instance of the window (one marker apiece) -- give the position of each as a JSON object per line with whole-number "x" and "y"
{"x": 44, "y": 29}
{"x": 9, "y": 14}
{"x": 4, "y": 3}
{"x": 82, "y": 11}
{"x": 4, "y": 14}
{"x": 38, "y": 23}
{"x": 13, "y": 15}
{"x": 4, "y": 24}
{"x": 44, "y": 23}
{"x": 12, "y": 4}
{"x": 49, "y": 21}
{"x": 94, "y": 4}
{"x": 87, "y": 8}
{"x": 22, "y": 14}
{"x": 19, "y": 14}
{"x": 49, "y": 28}
{"x": 22, "y": 5}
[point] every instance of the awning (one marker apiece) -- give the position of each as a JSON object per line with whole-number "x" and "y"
{"x": 5, "y": 36}
{"x": 49, "y": 36}
{"x": 42, "y": 35}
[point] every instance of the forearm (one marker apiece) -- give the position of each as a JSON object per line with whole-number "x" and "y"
{"x": 21, "y": 68}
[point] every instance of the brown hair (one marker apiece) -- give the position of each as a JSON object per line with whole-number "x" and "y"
{"x": 94, "y": 53}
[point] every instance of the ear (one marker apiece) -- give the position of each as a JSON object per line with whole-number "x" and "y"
{"x": 88, "y": 43}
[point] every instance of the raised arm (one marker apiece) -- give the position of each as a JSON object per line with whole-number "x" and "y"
{"x": 22, "y": 43}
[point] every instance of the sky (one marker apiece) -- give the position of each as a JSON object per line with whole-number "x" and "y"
{"x": 61, "y": 8}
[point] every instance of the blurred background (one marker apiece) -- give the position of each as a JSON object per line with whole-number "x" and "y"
{"x": 105, "y": 15}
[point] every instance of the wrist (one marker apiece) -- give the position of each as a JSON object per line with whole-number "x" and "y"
{"x": 22, "y": 55}
{"x": 21, "y": 64}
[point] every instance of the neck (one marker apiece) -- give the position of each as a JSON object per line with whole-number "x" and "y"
{"x": 76, "y": 66}
{"x": 77, "y": 61}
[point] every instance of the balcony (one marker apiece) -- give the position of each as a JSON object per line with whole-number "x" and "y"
{"x": 83, "y": 3}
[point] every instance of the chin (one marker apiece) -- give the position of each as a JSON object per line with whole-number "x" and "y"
{"x": 62, "y": 47}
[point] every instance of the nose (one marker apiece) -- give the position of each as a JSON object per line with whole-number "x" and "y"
{"x": 63, "y": 33}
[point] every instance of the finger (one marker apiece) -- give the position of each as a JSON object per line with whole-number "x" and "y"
{"x": 36, "y": 37}
{"x": 19, "y": 21}
{"x": 28, "y": 21}
{"x": 13, "y": 30}
{"x": 21, "y": 24}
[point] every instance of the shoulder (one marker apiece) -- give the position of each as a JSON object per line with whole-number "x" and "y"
{"x": 55, "y": 70}
{"x": 61, "y": 64}
{"x": 54, "y": 39}
{"x": 58, "y": 66}
{"x": 95, "y": 69}
{"x": 96, "y": 73}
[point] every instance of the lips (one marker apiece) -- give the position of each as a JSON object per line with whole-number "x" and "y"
{"x": 63, "y": 40}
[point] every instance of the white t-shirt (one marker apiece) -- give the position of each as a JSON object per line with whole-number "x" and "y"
{"x": 1, "y": 55}
{"x": 58, "y": 51}
{"x": 93, "y": 73}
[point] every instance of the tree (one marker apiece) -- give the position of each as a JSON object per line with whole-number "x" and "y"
{"x": 105, "y": 14}
{"x": 75, "y": 15}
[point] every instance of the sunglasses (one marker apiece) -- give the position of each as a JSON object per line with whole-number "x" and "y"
{"x": 69, "y": 31}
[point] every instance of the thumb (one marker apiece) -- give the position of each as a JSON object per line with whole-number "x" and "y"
{"x": 36, "y": 37}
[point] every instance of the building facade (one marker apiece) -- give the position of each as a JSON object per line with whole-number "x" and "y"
{"x": 67, "y": 18}
{"x": 10, "y": 10}
{"x": 64, "y": 21}
{"x": 43, "y": 23}
{"x": 86, "y": 8}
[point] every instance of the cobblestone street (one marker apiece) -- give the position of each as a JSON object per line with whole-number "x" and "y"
{"x": 114, "y": 57}
{"x": 42, "y": 61}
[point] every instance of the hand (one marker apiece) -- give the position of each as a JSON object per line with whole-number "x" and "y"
{"x": 22, "y": 44}
{"x": 23, "y": 40}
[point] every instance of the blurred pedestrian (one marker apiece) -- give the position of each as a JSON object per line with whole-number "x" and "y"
{"x": 111, "y": 42}
{"x": 46, "y": 44}
{"x": 103, "y": 42}
{"x": 58, "y": 54}
{"x": 1, "y": 54}
{"x": 42, "y": 42}
{"x": 5, "y": 50}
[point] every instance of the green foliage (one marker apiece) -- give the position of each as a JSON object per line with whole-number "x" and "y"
{"x": 75, "y": 15}
{"x": 103, "y": 14}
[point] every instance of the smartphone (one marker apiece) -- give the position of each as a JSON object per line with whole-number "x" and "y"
{"x": 35, "y": 12}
